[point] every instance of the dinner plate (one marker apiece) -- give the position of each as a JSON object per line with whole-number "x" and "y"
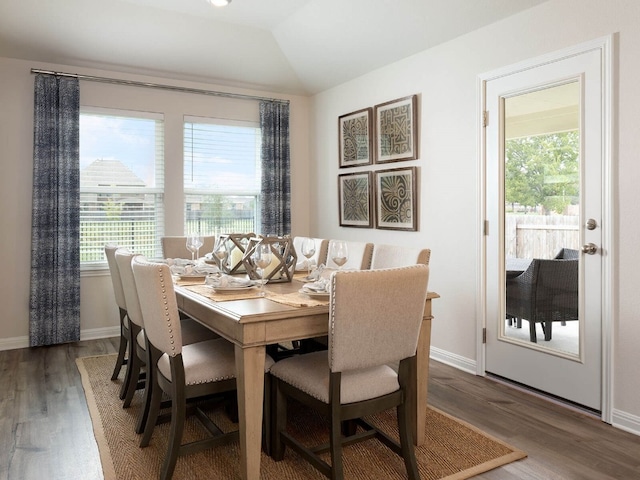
{"x": 311, "y": 293}
{"x": 234, "y": 288}
{"x": 193, "y": 276}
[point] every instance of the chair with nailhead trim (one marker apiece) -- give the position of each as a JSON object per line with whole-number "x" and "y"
{"x": 183, "y": 373}
{"x": 192, "y": 332}
{"x": 374, "y": 319}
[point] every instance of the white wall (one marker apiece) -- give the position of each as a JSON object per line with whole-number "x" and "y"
{"x": 446, "y": 79}
{"x": 98, "y": 311}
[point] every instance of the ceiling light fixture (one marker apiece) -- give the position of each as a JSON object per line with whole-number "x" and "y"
{"x": 219, "y": 3}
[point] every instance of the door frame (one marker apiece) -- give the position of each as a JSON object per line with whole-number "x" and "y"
{"x": 605, "y": 46}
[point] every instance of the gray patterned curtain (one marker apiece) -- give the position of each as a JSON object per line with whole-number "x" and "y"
{"x": 54, "y": 305}
{"x": 276, "y": 185}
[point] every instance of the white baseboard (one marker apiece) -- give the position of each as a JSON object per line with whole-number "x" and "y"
{"x": 625, "y": 421}
{"x": 14, "y": 343}
{"x": 462, "y": 363}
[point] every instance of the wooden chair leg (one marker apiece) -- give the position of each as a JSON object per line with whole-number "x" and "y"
{"x": 279, "y": 420}
{"x": 178, "y": 415}
{"x": 532, "y": 331}
{"x": 335, "y": 441}
{"x": 406, "y": 443}
{"x": 547, "y": 331}
{"x": 122, "y": 349}
{"x": 149, "y": 386}
{"x": 152, "y": 417}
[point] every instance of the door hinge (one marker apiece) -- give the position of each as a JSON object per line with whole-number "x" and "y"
{"x": 484, "y": 335}
{"x": 485, "y": 118}
{"x": 485, "y": 227}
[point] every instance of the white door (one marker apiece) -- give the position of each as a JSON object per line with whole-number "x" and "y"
{"x": 544, "y": 157}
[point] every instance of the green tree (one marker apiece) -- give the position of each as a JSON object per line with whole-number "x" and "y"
{"x": 543, "y": 171}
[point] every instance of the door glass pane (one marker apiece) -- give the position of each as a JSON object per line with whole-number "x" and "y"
{"x": 542, "y": 218}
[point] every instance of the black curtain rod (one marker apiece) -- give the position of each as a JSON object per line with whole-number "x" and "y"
{"x": 173, "y": 88}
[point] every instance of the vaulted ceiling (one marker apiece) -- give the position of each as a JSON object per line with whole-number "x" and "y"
{"x": 288, "y": 46}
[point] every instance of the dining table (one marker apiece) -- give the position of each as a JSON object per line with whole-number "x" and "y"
{"x": 251, "y": 322}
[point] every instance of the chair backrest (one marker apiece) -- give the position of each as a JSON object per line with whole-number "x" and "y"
{"x": 319, "y": 257}
{"x": 389, "y": 256}
{"x": 110, "y": 253}
{"x": 359, "y": 256}
{"x": 567, "y": 254}
{"x": 123, "y": 258}
{"x": 176, "y": 247}
{"x": 158, "y": 305}
{"x": 375, "y": 315}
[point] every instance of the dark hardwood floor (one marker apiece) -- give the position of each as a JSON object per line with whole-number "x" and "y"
{"x": 46, "y": 431}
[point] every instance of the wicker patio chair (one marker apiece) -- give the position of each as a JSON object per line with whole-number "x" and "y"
{"x": 546, "y": 292}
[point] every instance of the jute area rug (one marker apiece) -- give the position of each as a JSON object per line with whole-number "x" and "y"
{"x": 453, "y": 450}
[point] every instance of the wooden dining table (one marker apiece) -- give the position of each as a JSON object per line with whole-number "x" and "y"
{"x": 254, "y": 322}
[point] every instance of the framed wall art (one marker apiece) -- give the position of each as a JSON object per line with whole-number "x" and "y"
{"x": 396, "y": 199}
{"x": 355, "y": 199}
{"x": 396, "y": 130}
{"x": 355, "y": 140}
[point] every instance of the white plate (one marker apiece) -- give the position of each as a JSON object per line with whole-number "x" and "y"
{"x": 192, "y": 276}
{"x": 311, "y": 293}
{"x": 235, "y": 288}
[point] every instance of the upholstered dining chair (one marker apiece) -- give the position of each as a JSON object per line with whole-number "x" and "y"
{"x": 359, "y": 256}
{"x": 376, "y": 311}
{"x": 389, "y": 256}
{"x": 121, "y": 359}
{"x": 176, "y": 247}
{"x": 183, "y": 373}
{"x": 135, "y": 378}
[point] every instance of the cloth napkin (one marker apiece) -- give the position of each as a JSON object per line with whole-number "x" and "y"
{"x": 319, "y": 286}
{"x": 219, "y": 281}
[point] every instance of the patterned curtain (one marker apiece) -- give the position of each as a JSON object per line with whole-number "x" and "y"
{"x": 54, "y": 305}
{"x": 276, "y": 185}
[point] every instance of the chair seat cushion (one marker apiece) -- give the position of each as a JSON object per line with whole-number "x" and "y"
{"x": 206, "y": 362}
{"x": 310, "y": 373}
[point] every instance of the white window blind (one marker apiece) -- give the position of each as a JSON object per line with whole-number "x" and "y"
{"x": 221, "y": 176}
{"x": 121, "y": 182}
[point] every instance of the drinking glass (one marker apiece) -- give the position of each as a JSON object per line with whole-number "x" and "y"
{"x": 221, "y": 251}
{"x": 192, "y": 244}
{"x": 308, "y": 250}
{"x": 338, "y": 253}
{"x": 262, "y": 259}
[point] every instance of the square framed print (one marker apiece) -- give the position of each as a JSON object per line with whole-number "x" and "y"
{"x": 354, "y": 138}
{"x": 396, "y": 127}
{"x": 355, "y": 198}
{"x": 396, "y": 199}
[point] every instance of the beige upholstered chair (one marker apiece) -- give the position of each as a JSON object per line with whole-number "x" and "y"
{"x": 183, "y": 372}
{"x": 359, "y": 256}
{"x": 321, "y": 250}
{"x": 121, "y": 360}
{"x": 193, "y": 332}
{"x": 176, "y": 247}
{"x": 376, "y": 311}
{"x": 389, "y": 256}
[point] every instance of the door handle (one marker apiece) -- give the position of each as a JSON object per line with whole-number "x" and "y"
{"x": 590, "y": 248}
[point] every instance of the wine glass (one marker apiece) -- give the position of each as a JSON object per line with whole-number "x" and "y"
{"x": 262, "y": 259}
{"x": 308, "y": 250}
{"x": 221, "y": 252}
{"x": 192, "y": 245}
{"x": 339, "y": 253}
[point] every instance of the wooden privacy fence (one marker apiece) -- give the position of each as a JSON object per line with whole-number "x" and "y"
{"x": 540, "y": 236}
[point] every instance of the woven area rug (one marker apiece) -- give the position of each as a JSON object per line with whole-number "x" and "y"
{"x": 453, "y": 450}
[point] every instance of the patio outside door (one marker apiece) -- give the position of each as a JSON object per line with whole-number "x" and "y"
{"x": 543, "y": 199}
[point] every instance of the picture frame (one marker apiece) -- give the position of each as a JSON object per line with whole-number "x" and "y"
{"x": 397, "y": 199}
{"x": 396, "y": 130}
{"x": 354, "y": 138}
{"x": 355, "y": 191}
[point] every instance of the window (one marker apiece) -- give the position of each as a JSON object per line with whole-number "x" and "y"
{"x": 221, "y": 176}
{"x": 121, "y": 182}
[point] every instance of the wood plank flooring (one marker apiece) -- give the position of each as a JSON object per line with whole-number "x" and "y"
{"x": 46, "y": 431}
